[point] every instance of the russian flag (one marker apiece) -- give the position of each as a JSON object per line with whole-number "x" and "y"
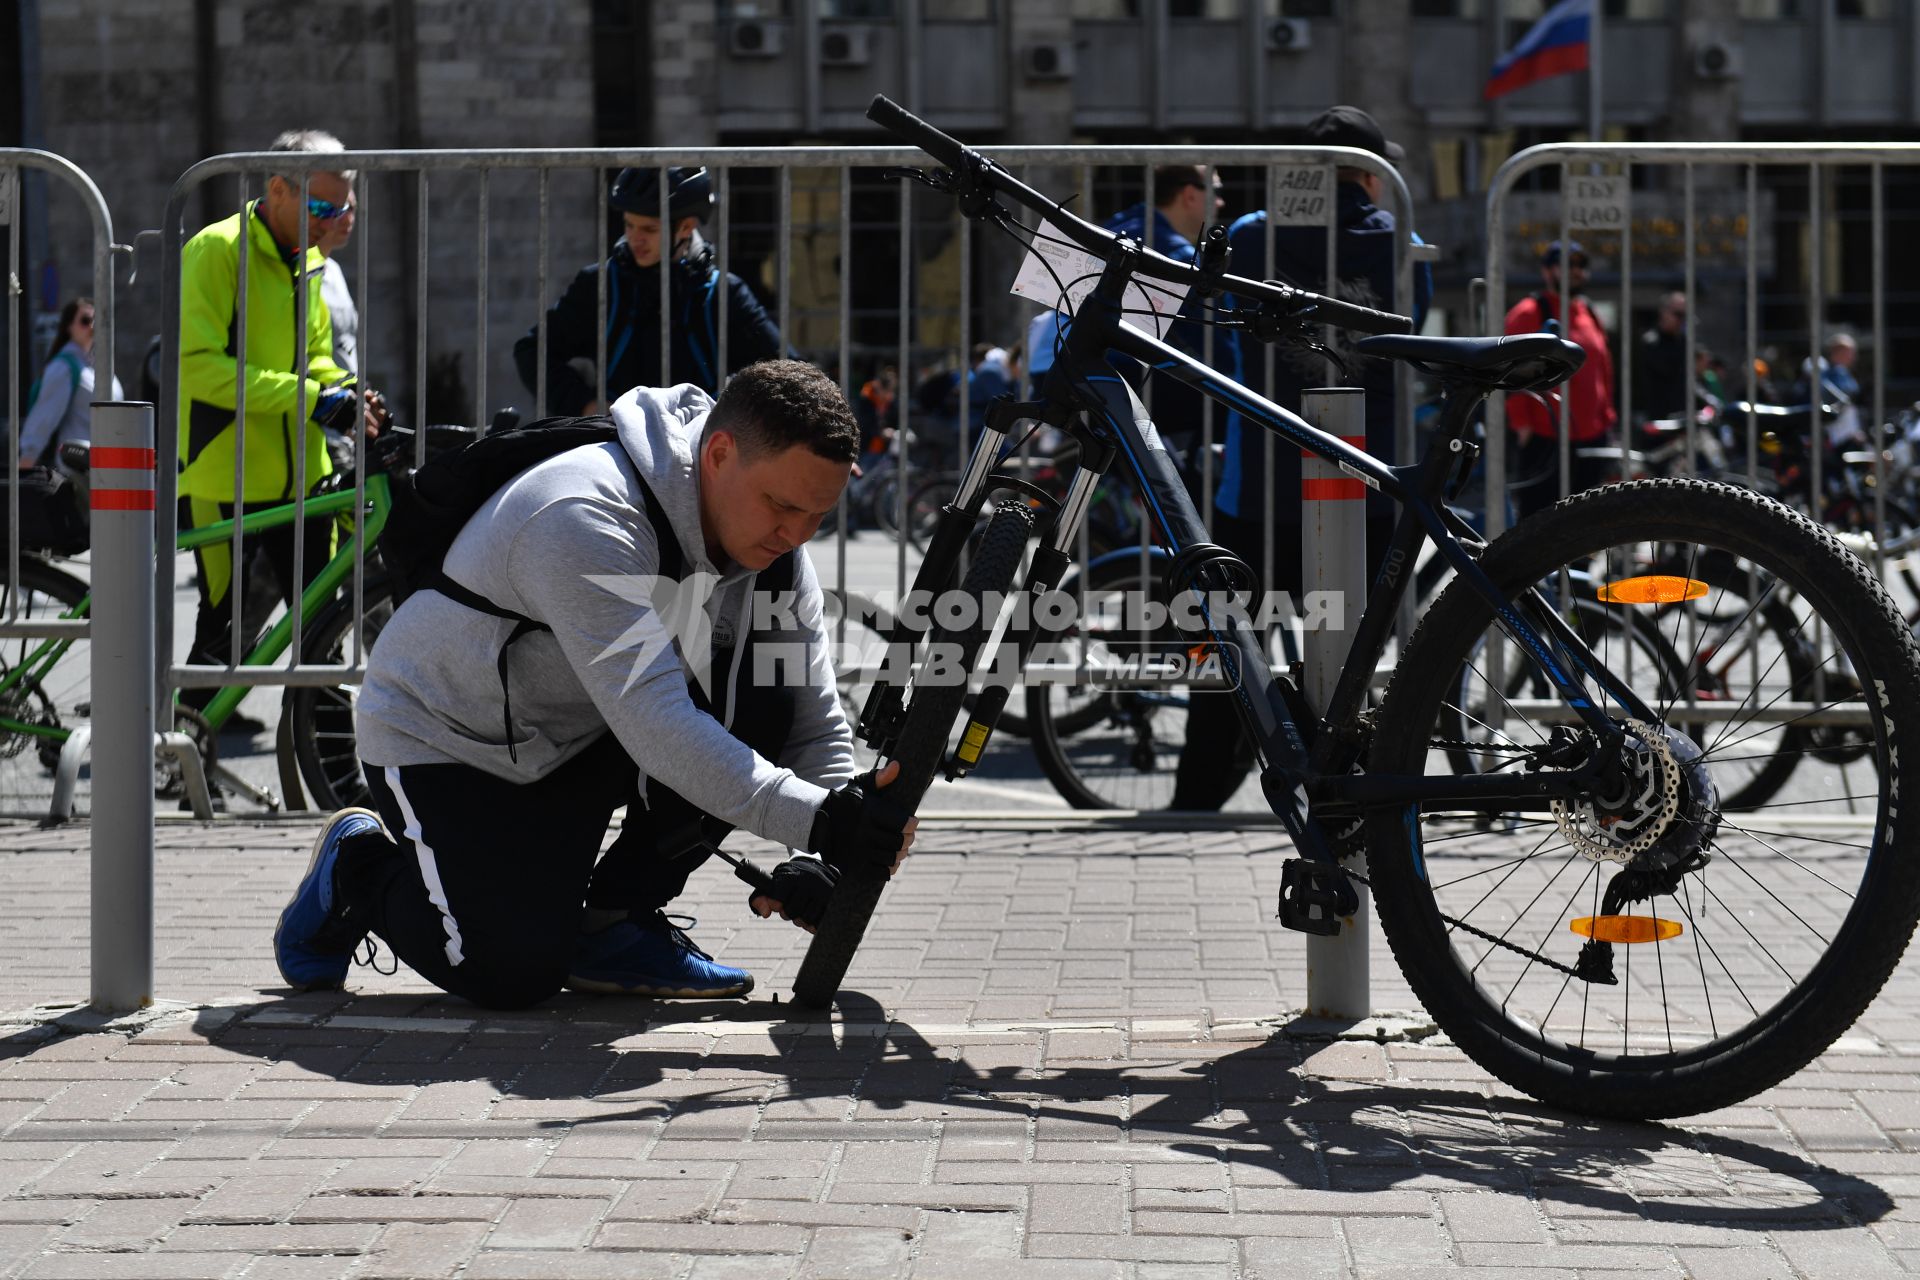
{"x": 1555, "y": 45}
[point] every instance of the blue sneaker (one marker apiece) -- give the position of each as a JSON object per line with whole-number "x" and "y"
{"x": 651, "y": 956}
{"x": 316, "y": 938}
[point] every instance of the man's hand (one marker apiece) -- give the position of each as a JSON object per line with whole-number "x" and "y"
{"x": 378, "y": 414}
{"x": 860, "y": 826}
{"x": 801, "y": 889}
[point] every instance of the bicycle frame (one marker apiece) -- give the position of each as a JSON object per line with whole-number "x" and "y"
{"x": 332, "y": 576}
{"x": 1295, "y": 769}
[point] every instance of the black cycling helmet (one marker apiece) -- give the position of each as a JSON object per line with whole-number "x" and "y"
{"x": 689, "y": 193}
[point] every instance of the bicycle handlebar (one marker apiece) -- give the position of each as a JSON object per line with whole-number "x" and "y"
{"x": 980, "y": 178}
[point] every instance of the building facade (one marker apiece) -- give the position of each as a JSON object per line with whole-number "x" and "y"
{"x": 136, "y": 91}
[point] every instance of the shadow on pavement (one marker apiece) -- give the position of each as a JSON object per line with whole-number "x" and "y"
{"x": 1274, "y": 1111}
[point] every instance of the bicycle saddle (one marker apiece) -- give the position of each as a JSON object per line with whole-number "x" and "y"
{"x": 1523, "y": 362}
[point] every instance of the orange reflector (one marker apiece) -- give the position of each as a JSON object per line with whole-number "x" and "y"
{"x": 1654, "y": 588}
{"x": 1625, "y": 928}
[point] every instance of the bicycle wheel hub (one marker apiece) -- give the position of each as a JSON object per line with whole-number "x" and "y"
{"x": 1658, "y": 800}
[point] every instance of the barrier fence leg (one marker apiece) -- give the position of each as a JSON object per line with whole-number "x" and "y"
{"x": 1333, "y": 553}
{"x": 123, "y": 677}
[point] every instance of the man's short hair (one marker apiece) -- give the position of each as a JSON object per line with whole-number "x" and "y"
{"x": 314, "y": 140}
{"x": 771, "y": 406}
{"x": 1169, "y": 180}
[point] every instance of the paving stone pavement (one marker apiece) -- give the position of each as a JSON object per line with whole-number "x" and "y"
{"x": 1067, "y": 1056}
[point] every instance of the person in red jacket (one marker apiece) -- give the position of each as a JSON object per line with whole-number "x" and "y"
{"x": 1534, "y": 419}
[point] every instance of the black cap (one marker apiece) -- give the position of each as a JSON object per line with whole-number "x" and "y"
{"x": 1352, "y": 127}
{"x": 1551, "y": 256}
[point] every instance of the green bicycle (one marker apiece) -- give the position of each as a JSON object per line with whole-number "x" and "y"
{"x": 45, "y": 683}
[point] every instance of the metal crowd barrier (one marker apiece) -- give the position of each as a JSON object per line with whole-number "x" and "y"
{"x": 13, "y": 160}
{"x": 533, "y": 176}
{"x": 1600, "y": 205}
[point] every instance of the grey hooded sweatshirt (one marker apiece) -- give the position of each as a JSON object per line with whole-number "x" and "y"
{"x": 568, "y": 543}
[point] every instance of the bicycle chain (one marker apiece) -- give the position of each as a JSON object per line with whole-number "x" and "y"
{"x": 1514, "y": 947}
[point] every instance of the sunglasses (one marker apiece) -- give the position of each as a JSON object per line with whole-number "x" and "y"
{"x": 317, "y": 209}
{"x": 84, "y": 321}
{"x": 326, "y": 210}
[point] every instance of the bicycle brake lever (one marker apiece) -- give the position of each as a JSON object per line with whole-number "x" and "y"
{"x": 920, "y": 176}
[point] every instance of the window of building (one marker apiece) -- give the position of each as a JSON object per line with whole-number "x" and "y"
{"x": 864, "y": 9}
{"x": 740, "y": 9}
{"x": 1214, "y": 10}
{"x": 1448, "y": 8}
{"x": 1870, "y": 10}
{"x": 1770, "y": 10}
{"x": 622, "y": 76}
{"x": 1105, "y": 10}
{"x": 1297, "y": 8}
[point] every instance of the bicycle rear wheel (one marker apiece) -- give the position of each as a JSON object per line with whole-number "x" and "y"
{"x": 1638, "y": 950}
{"x": 921, "y": 749}
{"x": 321, "y": 716}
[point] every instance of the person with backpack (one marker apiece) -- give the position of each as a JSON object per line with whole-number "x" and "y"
{"x": 624, "y": 615}
{"x": 699, "y": 301}
{"x": 59, "y": 408}
{"x": 1533, "y": 419}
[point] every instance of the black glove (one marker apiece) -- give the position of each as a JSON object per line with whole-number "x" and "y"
{"x": 802, "y": 887}
{"x": 859, "y": 826}
{"x": 335, "y": 409}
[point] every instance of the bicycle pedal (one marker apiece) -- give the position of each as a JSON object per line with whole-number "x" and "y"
{"x": 1315, "y": 896}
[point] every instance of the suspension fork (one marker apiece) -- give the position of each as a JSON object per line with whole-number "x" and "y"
{"x": 1050, "y": 564}
{"x": 885, "y": 710}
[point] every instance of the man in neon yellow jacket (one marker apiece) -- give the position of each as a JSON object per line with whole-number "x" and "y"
{"x": 275, "y": 425}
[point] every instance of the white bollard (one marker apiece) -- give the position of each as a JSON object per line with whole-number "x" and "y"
{"x": 1333, "y": 551}
{"x": 122, "y": 473}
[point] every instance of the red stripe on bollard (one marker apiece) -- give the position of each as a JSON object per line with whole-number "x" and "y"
{"x": 104, "y": 458}
{"x": 1332, "y": 490}
{"x": 122, "y": 500}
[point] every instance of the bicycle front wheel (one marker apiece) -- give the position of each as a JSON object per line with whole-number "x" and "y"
{"x": 1638, "y": 949}
{"x": 45, "y": 685}
{"x": 921, "y": 749}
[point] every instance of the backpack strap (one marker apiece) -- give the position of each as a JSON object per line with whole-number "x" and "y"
{"x": 672, "y": 565}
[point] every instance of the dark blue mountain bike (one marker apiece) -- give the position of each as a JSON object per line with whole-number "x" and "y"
{"x": 1538, "y": 793}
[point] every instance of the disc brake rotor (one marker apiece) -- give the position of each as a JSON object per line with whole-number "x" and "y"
{"x": 1620, "y": 828}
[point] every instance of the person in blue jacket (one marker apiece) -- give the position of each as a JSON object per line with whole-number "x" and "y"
{"x": 699, "y": 302}
{"x": 1185, "y": 199}
{"x": 1217, "y": 757}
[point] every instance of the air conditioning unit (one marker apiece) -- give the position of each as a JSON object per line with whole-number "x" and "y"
{"x": 1716, "y": 60}
{"x": 1052, "y": 60}
{"x": 756, "y": 40}
{"x": 1289, "y": 35}
{"x": 846, "y": 47}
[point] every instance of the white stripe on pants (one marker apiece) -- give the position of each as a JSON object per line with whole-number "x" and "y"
{"x": 429, "y": 870}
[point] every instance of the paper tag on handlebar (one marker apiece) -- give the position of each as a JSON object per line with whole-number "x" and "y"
{"x": 1080, "y": 271}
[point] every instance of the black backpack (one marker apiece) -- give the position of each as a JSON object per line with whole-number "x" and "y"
{"x": 434, "y": 503}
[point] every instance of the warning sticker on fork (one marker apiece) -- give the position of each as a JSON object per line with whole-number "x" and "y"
{"x": 1150, "y": 305}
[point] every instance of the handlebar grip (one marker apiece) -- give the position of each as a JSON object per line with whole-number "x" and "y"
{"x": 902, "y": 123}
{"x": 1346, "y": 315}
